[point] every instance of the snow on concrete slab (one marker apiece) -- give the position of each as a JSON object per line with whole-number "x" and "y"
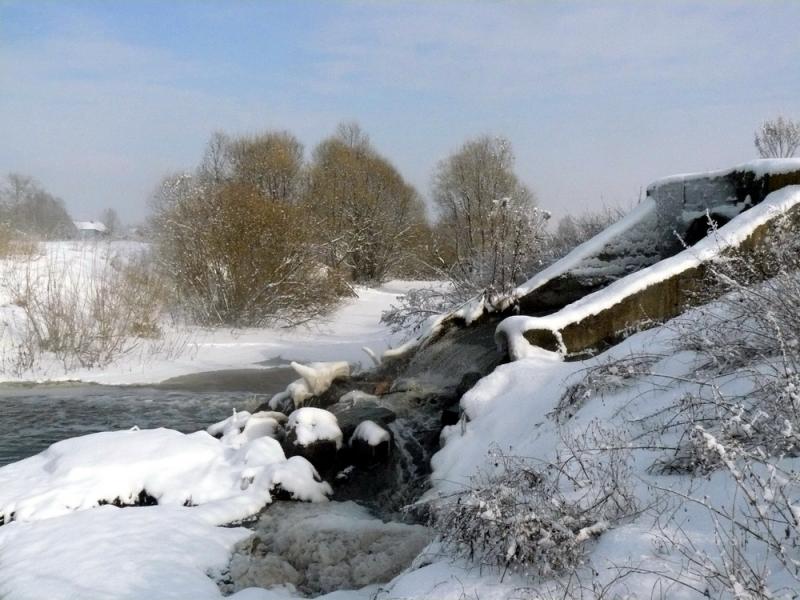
{"x": 726, "y": 237}
{"x": 759, "y": 168}
{"x": 589, "y": 248}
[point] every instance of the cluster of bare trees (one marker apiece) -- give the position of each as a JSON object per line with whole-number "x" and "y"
{"x": 236, "y": 253}
{"x": 257, "y": 233}
{"x": 27, "y": 208}
{"x": 29, "y": 211}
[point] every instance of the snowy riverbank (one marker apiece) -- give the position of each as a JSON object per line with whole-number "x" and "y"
{"x": 184, "y": 350}
{"x": 176, "y": 551}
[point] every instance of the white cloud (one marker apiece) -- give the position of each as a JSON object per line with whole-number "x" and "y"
{"x": 598, "y": 98}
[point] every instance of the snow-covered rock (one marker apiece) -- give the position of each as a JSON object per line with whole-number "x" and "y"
{"x": 242, "y": 427}
{"x": 308, "y": 426}
{"x": 172, "y": 468}
{"x": 370, "y": 443}
{"x": 314, "y": 434}
{"x": 371, "y": 433}
{"x": 315, "y": 379}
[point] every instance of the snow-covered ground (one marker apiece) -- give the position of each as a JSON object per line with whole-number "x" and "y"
{"x": 63, "y": 545}
{"x": 340, "y": 335}
{"x": 571, "y": 418}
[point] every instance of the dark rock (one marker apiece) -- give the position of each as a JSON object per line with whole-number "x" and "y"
{"x": 365, "y": 455}
{"x": 467, "y": 382}
{"x": 451, "y": 415}
{"x": 451, "y": 412}
{"x": 331, "y": 396}
{"x": 698, "y": 229}
{"x": 321, "y": 454}
{"x": 142, "y": 499}
{"x": 350, "y": 417}
{"x": 382, "y": 387}
{"x": 286, "y": 407}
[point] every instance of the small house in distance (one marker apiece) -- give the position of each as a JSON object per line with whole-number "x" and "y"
{"x": 91, "y": 230}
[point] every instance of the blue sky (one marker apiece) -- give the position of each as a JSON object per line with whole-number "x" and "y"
{"x": 99, "y": 100}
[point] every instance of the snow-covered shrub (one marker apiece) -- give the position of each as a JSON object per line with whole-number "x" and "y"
{"x": 754, "y": 527}
{"x": 747, "y": 348}
{"x": 599, "y": 379}
{"x": 418, "y": 305}
{"x": 736, "y": 423}
{"x": 238, "y": 258}
{"x": 537, "y": 519}
{"x": 84, "y": 309}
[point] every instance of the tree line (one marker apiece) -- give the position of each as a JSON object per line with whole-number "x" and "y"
{"x": 28, "y": 210}
{"x": 256, "y": 232}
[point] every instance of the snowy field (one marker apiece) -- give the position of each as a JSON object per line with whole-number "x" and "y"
{"x": 340, "y": 335}
{"x": 57, "y": 545}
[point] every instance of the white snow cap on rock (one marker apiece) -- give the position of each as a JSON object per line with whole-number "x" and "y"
{"x": 242, "y": 427}
{"x": 314, "y": 425}
{"x": 353, "y": 397}
{"x": 315, "y": 379}
{"x": 174, "y": 468}
{"x": 233, "y": 423}
{"x": 371, "y": 433}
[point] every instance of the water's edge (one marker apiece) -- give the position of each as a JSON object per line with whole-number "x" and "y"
{"x": 34, "y": 416}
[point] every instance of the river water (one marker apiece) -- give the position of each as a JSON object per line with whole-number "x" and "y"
{"x": 33, "y": 417}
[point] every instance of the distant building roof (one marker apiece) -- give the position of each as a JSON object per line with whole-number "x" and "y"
{"x": 91, "y": 226}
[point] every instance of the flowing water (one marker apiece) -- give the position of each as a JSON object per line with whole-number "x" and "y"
{"x": 33, "y": 417}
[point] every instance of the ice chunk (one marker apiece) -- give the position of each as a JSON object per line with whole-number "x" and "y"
{"x": 315, "y": 379}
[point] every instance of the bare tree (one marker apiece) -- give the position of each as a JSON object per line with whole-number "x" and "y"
{"x": 28, "y": 208}
{"x": 216, "y": 165}
{"x": 369, "y": 215}
{"x": 110, "y": 219}
{"x": 239, "y": 249}
{"x": 487, "y": 215}
{"x": 778, "y": 138}
{"x": 353, "y": 136}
